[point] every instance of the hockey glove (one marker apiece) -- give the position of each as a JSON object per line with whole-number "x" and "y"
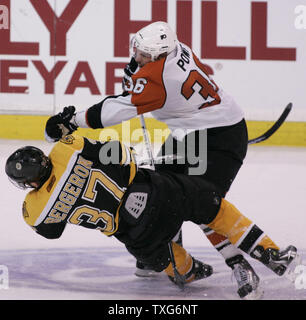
{"x": 61, "y": 124}
{"x": 131, "y": 67}
{"x": 129, "y": 70}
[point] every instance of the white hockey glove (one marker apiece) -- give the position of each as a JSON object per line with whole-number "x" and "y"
{"x": 61, "y": 124}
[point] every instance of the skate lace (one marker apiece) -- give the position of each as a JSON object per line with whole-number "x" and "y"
{"x": 246, "y": 276}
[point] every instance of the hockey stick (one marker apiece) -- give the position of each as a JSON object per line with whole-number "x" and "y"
{"x": 274, "y": 128}
{"x": 261, "y": 138}
{"x": 147, "y": 142}
{"x": 180, "y": 281}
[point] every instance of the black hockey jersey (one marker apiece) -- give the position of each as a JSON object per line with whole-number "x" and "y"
{"x": 83, "y": 188}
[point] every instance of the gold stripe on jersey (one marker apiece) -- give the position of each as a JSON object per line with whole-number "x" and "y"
{"x": 133, "y": 170}
{"x": 128, "y": 158}
{"x": 124, "y": 154}
{"x": 116, "y": 223}
{"x": 37, "y": 200}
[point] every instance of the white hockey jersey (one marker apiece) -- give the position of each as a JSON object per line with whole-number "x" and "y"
{"x": 177, "y": 91}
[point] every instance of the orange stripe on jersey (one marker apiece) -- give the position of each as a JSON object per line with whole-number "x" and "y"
{"x": 149, "y": 92}
{"x": 209, "y": 87}
{"x": 216, "y": 238}
{"x": 200, "y": 65}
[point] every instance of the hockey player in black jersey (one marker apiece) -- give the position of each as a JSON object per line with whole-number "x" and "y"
{"x": 98, "y": 186}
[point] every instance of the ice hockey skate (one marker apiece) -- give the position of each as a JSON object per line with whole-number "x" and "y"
{"x": 198, "y": 271}
{"x": 144, "y": 271}
{"x": 276, "y": 260}
{"x": 247, "y": 279}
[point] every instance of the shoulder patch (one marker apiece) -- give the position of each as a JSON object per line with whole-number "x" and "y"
{"x": 67, "y": 139}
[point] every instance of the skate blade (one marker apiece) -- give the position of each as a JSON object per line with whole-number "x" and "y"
{"x": 255, "y": 295}
{"x": 146, "y": 273}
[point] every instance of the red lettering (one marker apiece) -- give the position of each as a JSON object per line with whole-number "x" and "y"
{"x": 82, "y": 68}
{"x": 124, "y": 26}
{"x": 49, "y": 76}
{"x": 58, "y": 26}
{"x": 111, "y": 79}
{"x": 209, "y": 47}
{"x": 6, "y": 76}
{"x": 259, "y": 49}
{"x": 18, "y": 48}
{"x": 184, "y": 22}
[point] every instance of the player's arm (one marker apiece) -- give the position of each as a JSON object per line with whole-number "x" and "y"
{"x": 68, "y": 121}
{"x": 50, "y": 231}
{"x": 110, "y": 111}
{"x": 48, "y": 228}
{"x": 143, "y": 93}
{"x": 112, "y": 152}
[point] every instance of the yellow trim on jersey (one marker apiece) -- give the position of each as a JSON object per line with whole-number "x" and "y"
{"x": 60, "y": 155}
{"x": 124, "y": 155}
{"x": 116, "y": 224}
{"x": 133, "y": 170}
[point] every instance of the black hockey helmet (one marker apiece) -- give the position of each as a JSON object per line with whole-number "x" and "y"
{"x": 26, "y": 165}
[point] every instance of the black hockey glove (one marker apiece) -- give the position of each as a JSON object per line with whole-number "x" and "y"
{"x": 131, "y": 67}
{"x": 129, "y": 70}
{"x": 61, "y": 124}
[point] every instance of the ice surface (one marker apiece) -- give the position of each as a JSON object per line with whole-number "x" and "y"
{"x": 83, "y": 264}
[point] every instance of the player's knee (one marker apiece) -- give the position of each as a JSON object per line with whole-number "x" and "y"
{"x": 207, "y": 208}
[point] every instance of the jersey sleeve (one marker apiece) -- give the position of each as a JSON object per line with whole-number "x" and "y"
{"x": 112, "y": 152}
{"x": 149, "y": 91}
{"x": 49, "y": 231}
{"x": 145, "y": 92}
{"x": 110, "y": 111}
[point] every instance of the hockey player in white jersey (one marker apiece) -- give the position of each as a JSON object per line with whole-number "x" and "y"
{"x": 167, "y": 79}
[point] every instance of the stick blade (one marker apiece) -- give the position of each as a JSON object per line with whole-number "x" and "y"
{"x": 275, "y": 127}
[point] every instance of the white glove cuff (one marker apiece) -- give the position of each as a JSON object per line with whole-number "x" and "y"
{"x": 80, "y": 119}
